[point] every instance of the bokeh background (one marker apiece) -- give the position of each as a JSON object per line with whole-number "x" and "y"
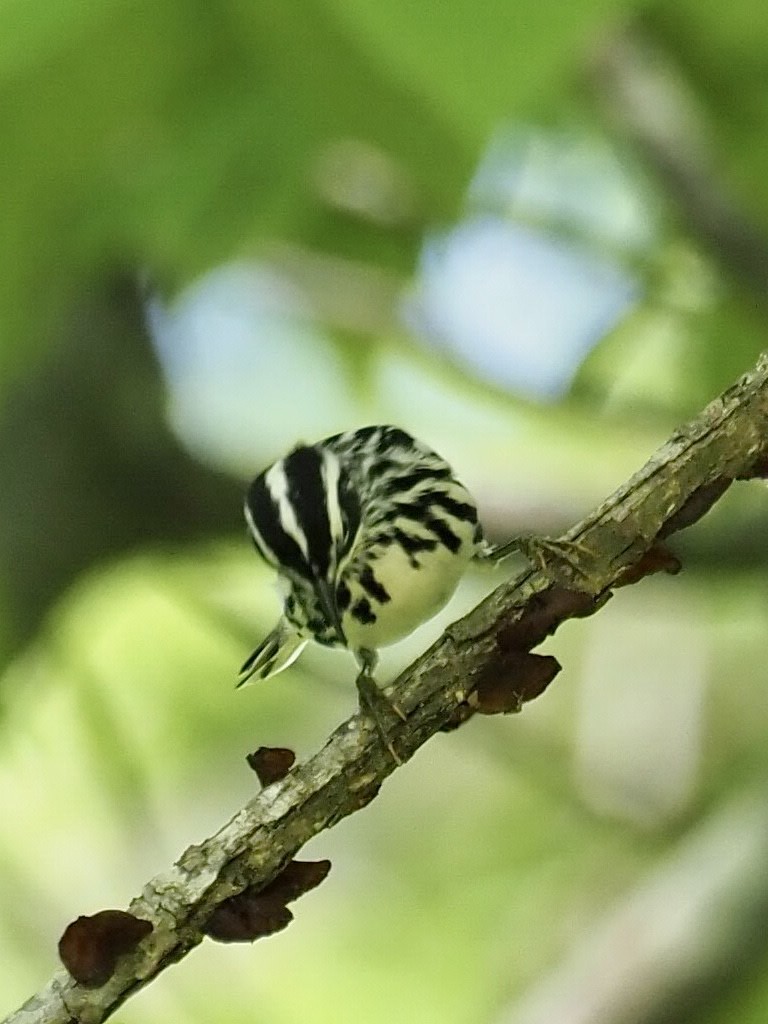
{"x": 536, "y": 235}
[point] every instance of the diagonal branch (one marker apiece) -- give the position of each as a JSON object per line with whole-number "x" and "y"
{"x": 487, "y": 648}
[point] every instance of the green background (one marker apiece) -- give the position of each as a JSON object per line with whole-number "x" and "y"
{"x": 601, "y": 857}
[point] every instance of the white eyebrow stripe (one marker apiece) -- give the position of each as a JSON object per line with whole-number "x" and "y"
{"x": 330, "y": 472}
{"x": 277, "y": 485}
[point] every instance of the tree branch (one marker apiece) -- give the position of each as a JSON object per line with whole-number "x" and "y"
{"x": 479, "y": 655}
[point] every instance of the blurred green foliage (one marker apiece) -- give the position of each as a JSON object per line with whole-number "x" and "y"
{"x": 171, "y": 135}
{"x": 146, "y": 143}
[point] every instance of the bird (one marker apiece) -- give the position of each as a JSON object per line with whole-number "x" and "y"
{"x": 370, "y": 532}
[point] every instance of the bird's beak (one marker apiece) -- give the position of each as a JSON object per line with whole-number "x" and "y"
{"x": 326, "y": 596}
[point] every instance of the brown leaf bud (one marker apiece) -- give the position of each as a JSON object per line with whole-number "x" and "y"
{"x": 658, "y": 558}
{"x": 543, "y": 614}
{"x": 517, "y": 677}
{"x": 296, "y": 878}
{"x": 255, "y": 912}
{"x": 245, "y": 918}
{"x": 271, "y": 763}
{"x": 697, "y": 505}
{"x": 759, "y": 468}
{"x": 90, "y": 946}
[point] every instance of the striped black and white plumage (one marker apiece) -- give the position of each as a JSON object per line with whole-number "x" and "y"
{"x": 369, "y": 531}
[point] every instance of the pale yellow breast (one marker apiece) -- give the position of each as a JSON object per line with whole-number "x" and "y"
{"x": 416, "y": 593}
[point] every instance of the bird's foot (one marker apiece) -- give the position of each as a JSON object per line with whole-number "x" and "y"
{"x": 541, "y": 551}
{"x": 376, "y": 705}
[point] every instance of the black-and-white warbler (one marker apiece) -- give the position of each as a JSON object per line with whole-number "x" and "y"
{"x": 370, "y": 532}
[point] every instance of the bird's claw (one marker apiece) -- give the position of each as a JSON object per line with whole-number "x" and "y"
{"x": 541, "y": 550}
{"x": 373, "y": 702}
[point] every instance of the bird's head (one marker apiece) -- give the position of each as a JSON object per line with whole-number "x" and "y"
{"x": 304, "y": 515}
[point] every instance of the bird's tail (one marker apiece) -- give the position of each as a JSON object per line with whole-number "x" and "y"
{"x": 275, "y": 652}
